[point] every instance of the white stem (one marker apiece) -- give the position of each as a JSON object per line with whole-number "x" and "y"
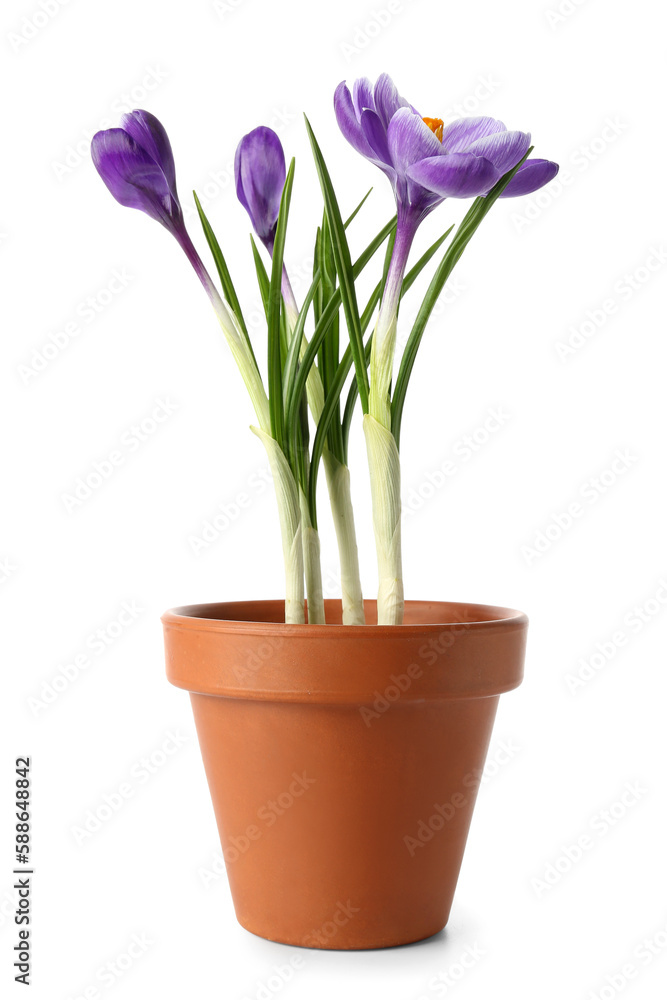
{"x": 289, "y": 512}
{"x": 385, "y": 474}
{"x": 383, "y": 349}
{"x": 233, "y": 335}
{"x": 287, "y": 491}
{"x": 312, "y": 565}
{"x": 338, "y": 481}
{"x": 244, "y": 360}
{"x": 383, "y": 459}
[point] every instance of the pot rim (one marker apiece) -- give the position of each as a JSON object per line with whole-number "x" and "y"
{"x": 446, "y": 650}
{"x": 487, "y": 618}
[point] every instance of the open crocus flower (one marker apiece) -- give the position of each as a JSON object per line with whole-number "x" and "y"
{"x": 259, "y": 169}
{"x": 426, "y": 160}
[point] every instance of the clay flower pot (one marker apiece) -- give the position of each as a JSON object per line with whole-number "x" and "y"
{"x": 344, "y": 761}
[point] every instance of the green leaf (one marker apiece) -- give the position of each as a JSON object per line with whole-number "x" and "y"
{"x": 223, "y": 273}
{"x": 343, "y": 267}
{"x": 294, "y": 349}
{"x": 416, "y": 270}
{"x": 275, "y": 367}
{"x": 296, "y": 374}
{"x": 329, "y": 352}
{"x": 332, "y": 400}
{"x": 262, "y": 277}
{"x": 408, "y": 281}
{"x": 358, "y": 208}
{"x": 471, "y": 222}
{"x": 330, "y": 406}
{"x": 315, "y": 287}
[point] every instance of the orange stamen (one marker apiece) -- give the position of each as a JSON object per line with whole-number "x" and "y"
{"x": 436, "y": 126}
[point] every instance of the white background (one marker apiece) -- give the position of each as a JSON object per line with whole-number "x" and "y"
{"x": 589, "y": 84}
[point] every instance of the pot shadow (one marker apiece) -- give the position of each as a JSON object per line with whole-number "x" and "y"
{"x": 435, "y": 940}
{"x": 410, "y": 963}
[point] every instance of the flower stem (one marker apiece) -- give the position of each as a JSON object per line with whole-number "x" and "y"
{"x": 383, "y": 458}
{"x": 233, "y": 335}
{"x": 338, "y": 483}
{"x": 311, "y": 562}
{"x": 286, "y": 489}
{"x": 289, "y": 512}
{"x": 384, "y": 335}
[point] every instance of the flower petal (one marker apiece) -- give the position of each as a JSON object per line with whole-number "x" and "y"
{"x": 349, "y": 123}
{"x": 504, "y": 149}
{"x": 410, "y": 139}
{"x": 259, "y": 166}
{"x": 149, "y": 133}
{"x": 362, "y": 96}
{"x": 531, "y": 176}
{"x": 458, "y": 135}
{"x": 387, "y": 99}
{"x": 132, "y": 175}
{"x": 455, "y": 175}
{"x": 376, "y": 135}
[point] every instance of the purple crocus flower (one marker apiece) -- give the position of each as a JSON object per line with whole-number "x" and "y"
{"x": 259, "y": 169}
{"x": 136, "y": 163}
{"x": 426, "y": 161}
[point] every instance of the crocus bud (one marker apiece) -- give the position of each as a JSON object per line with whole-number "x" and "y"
{"x": 259, "y": 168}
{"x": 137, "y": 165}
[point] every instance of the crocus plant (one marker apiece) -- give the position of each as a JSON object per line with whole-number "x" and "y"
{"x": 299, "y": 395}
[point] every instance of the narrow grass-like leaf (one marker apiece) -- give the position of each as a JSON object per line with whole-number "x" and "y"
{"x": 284, "y": 340}
{"x": 472, "y": 220}
{"x": 408, "y": 281}
{"x": 358, "y": 208}
{"x": 315, "y": 288}
{"x": 292, "y": 360}
{"x": 262, "y": 277}
{"x": 330, "y": 405}
{"x": 330, "y": 346}
{"x": 333, "y": 397}
{"x": 275, "y": 366}
{"x": 296, "y": 374}
{"x": 343, "y": 267}
{"x": 417, "y": 268}
{"x": 223, "y": 273}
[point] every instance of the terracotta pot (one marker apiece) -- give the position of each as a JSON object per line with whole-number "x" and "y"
{"x": 344, "y": 761}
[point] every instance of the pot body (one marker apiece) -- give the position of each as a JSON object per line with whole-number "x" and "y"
{"x": 344, "y": 761}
